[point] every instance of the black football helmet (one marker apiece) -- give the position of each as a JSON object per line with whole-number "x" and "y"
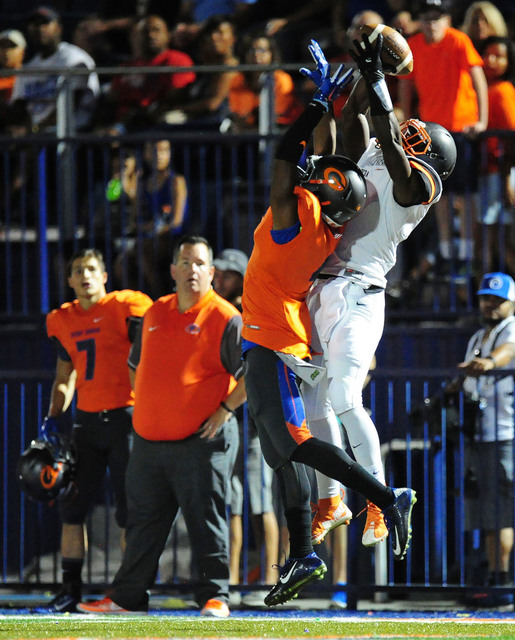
{"x": 430, "y": 142}
{"x": 46, "y": 470}
{"x": 338, "y": 183}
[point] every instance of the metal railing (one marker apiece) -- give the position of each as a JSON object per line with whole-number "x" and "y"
{"x": 422, "y": 448}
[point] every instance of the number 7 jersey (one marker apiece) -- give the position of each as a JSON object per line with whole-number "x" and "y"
{"x": 96, "y": 341}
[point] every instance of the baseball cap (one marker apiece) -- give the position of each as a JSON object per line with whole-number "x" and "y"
{"x": 441, "y": 6}
{"x": 497, "y": 284}
{"x": 45, "y": 13}
{"x": 16, "y": 37}
{"x": 231, "y": 260}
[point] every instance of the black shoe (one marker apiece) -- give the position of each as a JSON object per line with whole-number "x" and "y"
{"x": 489, "y": 600}
{"x": 398, "y": 520}
{"x": 294, "y": 575}
{"x": 63, "y": 602}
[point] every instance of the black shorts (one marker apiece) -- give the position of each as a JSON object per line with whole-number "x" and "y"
{"x": 464, "y": 178}
{"x": 102, "y": 441}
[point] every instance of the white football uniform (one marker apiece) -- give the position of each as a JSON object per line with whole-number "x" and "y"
{"x": 347, "y": 302}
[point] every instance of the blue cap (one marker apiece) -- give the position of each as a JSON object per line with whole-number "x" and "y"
{"x": 497, "y": 284}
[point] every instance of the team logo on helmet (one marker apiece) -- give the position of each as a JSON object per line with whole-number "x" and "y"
{"x": 332, "y": 177}
{"x": 49, "y": 475}
{"x": 339, "y": 185}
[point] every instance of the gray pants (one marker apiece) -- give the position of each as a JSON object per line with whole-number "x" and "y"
{"x": 193, "y": 475}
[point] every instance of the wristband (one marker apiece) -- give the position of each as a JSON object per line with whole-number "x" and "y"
{"x": 222, "y": 404}
{"x": 379, "y": 98}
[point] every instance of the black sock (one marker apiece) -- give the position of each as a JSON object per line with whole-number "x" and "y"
{"x": 298, "y": 520}
{"x": 72, "y": 575}
{"x": 499, "y": 578}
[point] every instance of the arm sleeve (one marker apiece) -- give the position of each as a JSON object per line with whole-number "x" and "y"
{"x": 135, "y": 351}
{"x": 133, "y": 324}
{"x": 230, "y": 347}
{"x": 61, "y": 351}
{"x": 293, "y": 143}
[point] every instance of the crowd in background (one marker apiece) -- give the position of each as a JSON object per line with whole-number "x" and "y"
{"x": 472, "y": 229}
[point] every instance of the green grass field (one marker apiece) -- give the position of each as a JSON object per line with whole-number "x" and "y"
{"x": 163, "y": 627}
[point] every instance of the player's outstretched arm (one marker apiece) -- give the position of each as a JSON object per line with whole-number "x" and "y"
{"x": 295, "y": 139}
{"x": 408, "y": 186}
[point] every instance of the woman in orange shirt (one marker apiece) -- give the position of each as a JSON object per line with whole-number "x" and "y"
{"x": 244, "y": 95}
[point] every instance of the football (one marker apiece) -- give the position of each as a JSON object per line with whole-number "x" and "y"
{"x": 395, "y": 53}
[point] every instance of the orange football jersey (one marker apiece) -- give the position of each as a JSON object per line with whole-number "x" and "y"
{"x": 98, "y": 345}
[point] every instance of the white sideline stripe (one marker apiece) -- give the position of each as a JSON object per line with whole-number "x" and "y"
{"x": 122, "y": 618}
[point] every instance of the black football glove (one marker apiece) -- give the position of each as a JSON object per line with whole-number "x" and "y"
{"x": 368, "y": 60}
{"x": 367, "y": 57}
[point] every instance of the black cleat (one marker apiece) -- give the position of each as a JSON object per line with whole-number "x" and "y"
{"x": 398, "y": 520}
{"x": 63, "y": 602}
{"x": 294, "y": 575}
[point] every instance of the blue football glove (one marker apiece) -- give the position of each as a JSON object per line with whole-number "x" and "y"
{"x": 329, "y": 87}
{"x": 51, "y": 432}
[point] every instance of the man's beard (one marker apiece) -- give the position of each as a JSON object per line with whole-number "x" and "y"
{"x": 489, "y": 322}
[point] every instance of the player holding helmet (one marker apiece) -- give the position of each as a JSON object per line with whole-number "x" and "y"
{"x": 297, "y": 233}
{"x": 92, "y": 335}
{"x": 404, "y": 167}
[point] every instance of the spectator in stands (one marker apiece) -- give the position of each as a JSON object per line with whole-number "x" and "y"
{"x": 451, "y": 88}
{"x": 246, "y": 87}
{"x": 483, "y": 19}
{"x": 194, "y": 14}
{"x": 292, "y": 23}
{"x": 40, "y": 92}
{"x": 497, "y": 180}
{"x": 206, "y": 101}
{"x": 114, "y": 203}
{"x": 105, "y": 34}
{"x": 12, "y": 51}
{"x": 230, "y": 266}
{"x": 161, "y": 209}
{"x": 489, "y": 445}
{"x": 18, "y": 165}
{"x": 142, "y": 98}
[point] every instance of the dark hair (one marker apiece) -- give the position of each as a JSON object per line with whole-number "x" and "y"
{"x": 191, "y": 239}
{"x": 212, "y": 23}
{"x": 86, "y": 253}
{"x": 510, "y": 48}
{"x": 246, "y": 42}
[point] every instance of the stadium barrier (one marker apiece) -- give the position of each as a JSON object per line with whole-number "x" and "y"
{"x": 423, "y": 442}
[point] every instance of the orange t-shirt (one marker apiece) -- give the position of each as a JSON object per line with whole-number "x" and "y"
{"x": 278, "y": 277}
{"x": 501, "y": 115}
{"x": 181, "y": 379}
{"x": 97, "y": 343}
{"x": 441, "y": 75}
{"x": 244, "y": 101}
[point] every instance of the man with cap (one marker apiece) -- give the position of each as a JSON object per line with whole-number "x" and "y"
{"x": 12, "y": 50}
{"x": 489, "y": 450}
{"x": 230, "y": 266}
{"x": 39, "y": 92}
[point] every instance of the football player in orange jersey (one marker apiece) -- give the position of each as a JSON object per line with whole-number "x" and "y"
{"x": 93, "y": 335}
